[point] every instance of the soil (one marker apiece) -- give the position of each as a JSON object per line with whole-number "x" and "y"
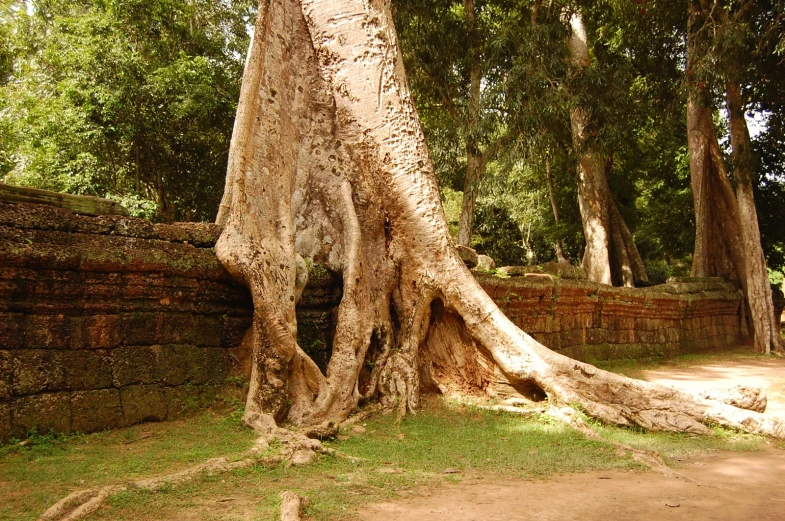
{"x": 722, "y": 486}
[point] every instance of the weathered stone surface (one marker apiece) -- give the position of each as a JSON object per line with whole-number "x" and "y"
{"x": 37, "y": 370}
{"x": 210, "y": 330}
{"x": 140, "y": 328}
{"x": 234, "y": 330}
{"x": 96, "y": 410}
{"x": 86, "y": 370}
{"x": 134, "y": 365}
{"x": 314, "y": 328}
{"x": 485, "y": 263}
{"x": 215, "y": 368}
{"x": 142, "y": 403}
{"x": 467, "y": 255}
{"x": 48, "y": 331}
{"x": 560, "y": 270}
{"x": 6, "y": 375}
{"x": 42, "y": 412}
{"x": 5, "y": 421}
{"x": 198, "y": 234}
{"x": 101, "y": 331}
{"x": 588, "y": 321}
{"x": 11, "y": 331}
{"x": 177, "y": 363}
{"x": 136, "y": 321}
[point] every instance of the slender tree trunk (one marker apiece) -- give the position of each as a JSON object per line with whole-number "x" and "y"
{"x": 592, "y": 182}
{"x": 475, "y": 161}
{"x": 328, "y": 161}
{"x": 552, "y": 196}
{"x": 611, "y": 256}
{"x": 475, "y": 169}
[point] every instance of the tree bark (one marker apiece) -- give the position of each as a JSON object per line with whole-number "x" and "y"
{"x": 727, "y": 241}
{"x": 475, "y": 160}
{"x": 759, "y": 297}
{"x": 328, "y": 162}
{"x": 611, "y": 256}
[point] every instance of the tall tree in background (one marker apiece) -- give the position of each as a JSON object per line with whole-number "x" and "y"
{"x": 457, "y": 78}
{"x": 611, "y": 256}
{"x": 727, "y": 241}
{"x": 133, "y": 100}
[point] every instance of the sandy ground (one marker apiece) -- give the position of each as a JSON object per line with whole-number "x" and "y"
{"x": 726, "y": 487}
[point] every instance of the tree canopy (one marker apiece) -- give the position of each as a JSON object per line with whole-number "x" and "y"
{"x": 129, "y": 99}
{"x": 135, "y": 100}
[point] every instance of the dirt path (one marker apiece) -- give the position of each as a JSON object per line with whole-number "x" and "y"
{"x": 768, "y": 374}
{"x": 732, "y": 487}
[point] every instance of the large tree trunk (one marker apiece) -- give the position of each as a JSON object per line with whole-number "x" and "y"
{"x": 611, "y": 256}
{"x": 328, "y": 162}
{"x": 727, "y": 240}
{"x": 759, "y": 297}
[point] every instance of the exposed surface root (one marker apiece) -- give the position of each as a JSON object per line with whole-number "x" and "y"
{"x": 292, "y": 506}
{"x": 296, "y": 449}
{"x": 511, "y": 409}
{"x": 80, "y": 504}
{"x": 741, "y": 396}
{"x": 650, "y": 459}
{"x": 365, "y": 413}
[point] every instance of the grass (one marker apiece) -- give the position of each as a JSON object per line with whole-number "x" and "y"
{"x": 34, "y": 476}
{"x": 635, "y": 368}
{"x": 397, "y": 458}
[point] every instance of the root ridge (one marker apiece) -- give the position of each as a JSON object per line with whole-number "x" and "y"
{"x": 296, "y": 449}
{"x": 651, "y": 459}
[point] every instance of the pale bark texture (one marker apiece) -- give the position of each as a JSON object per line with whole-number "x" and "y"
{"x": 611, "y": 256}
{"x": 727, "y": 239}
{"x": 292, "y": 506}
{"x": 329, "y": 163}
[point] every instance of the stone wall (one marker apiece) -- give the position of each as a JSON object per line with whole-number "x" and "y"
{"x": 109, "y": 321}
{"x": 590, "y": 321}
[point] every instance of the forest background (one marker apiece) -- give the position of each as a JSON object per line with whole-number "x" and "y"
{"x": 134, "y": 100}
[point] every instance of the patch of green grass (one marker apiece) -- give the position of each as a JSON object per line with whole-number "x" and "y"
{"x": 467, "y": 438}
{"x": 35, "y": 476}
{"x": 396, "y": 458}
{"x": 635, "y": 368}
{"x": 675, "y": 447}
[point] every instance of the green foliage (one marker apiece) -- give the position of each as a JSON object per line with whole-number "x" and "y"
{"x": 35, "y": 444}
{"x": 128, "y": 99}
{"x": 776, "y": 278}
{"x": 515, "y": 223}
{"x": 632, "y": 92}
